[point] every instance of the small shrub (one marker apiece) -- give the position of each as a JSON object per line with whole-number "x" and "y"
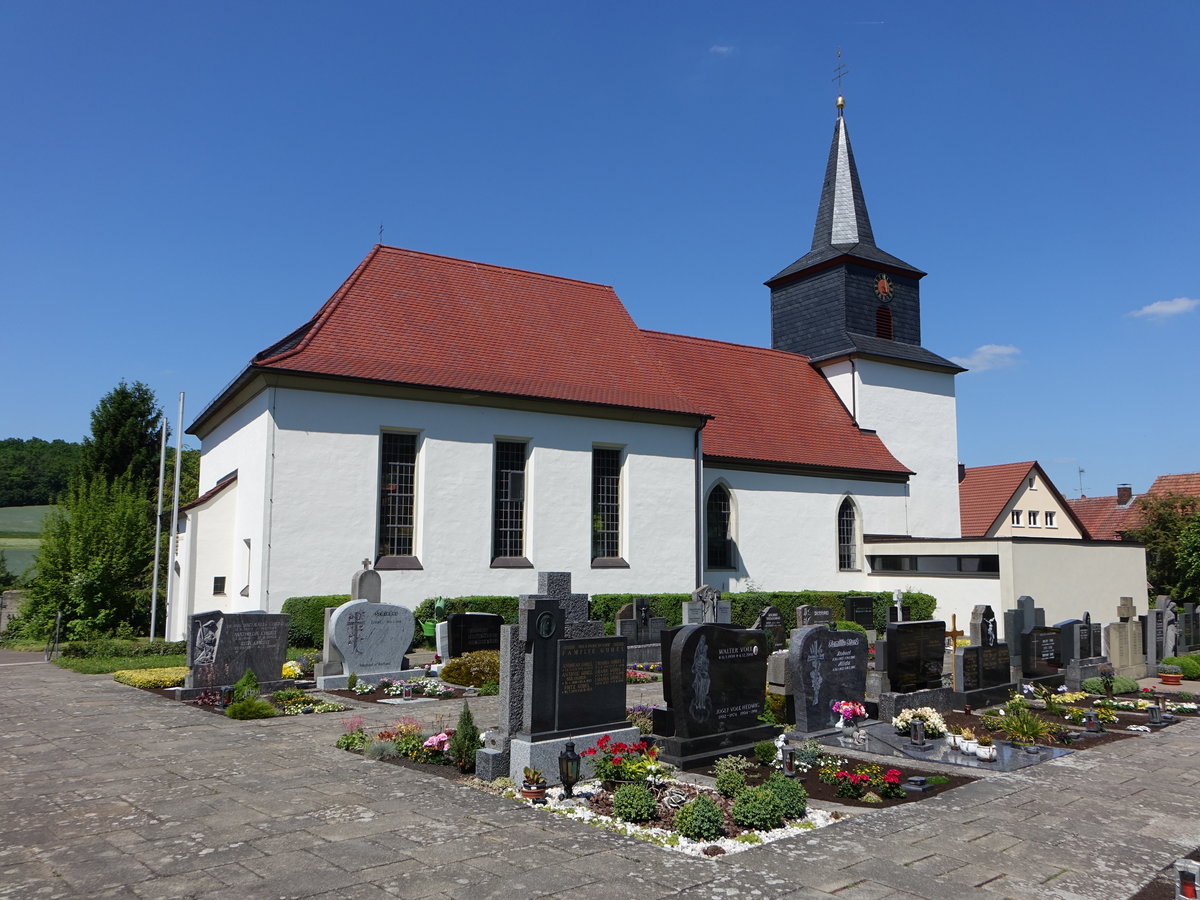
{"x": 730, "y": 784}
{"x": 634, "y": 803}
{"x": 748, "y": 837}
{"x": 700, "y": 820}
{"x": 489, "y": 689}
{"x": 757, "y": 808}
{"x": 287, "y": 694}
{"x": 1189, "y": 666}
{"x": 352, "y": 740}
{"x": 790, "y": 793}
{"x": 152, "y": 679}
{"x": 775, "y": 710}
{"x": 246, "y": 688}
{"x": 847, "y": 625}
{"x": 351, "y": 681}
{"x": 381, "y": 750}
{"x": 642, "y": 718}
{"x": 765, "y": 752}
{"x": 473, "y": 669}
{"x": 465, "y": 741}
{"x": 250, "y": 708}
{"x": 1122, "y": 684}
{"x": 1170, "y": 670}
{"x": 731, "y": 764}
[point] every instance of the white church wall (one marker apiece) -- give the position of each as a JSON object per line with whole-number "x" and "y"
{"x": 914, "y": 411}
{"x": 785, "y": 528}
{"x": 325, "y": 490}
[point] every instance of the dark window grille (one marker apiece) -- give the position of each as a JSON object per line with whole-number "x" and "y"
{"x": 883, "y": 323}
{"x": 719, "y": 543}
{"x": 606, "y": 503}
{"x": 219, "y": 584}
{"x": 397, "y": 495}
{"x": 847, "y": 537}
{"x": 508, "y": 529}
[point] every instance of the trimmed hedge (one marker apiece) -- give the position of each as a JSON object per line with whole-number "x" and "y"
{"x": 1189, "y": 666}
{"x": 306, "y": 628}
{"x": 102, "y": 647}
{"x": 494, "y": 604}
{"x": 152, "y": 678}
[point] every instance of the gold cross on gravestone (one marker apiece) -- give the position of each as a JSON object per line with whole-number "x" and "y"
{"x": 952, "y": 637}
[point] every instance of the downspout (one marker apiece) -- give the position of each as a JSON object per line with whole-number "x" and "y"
{"x": 699, "y": 458}
{"x": 265, "y": 604}
{"x": 853, "y": 390}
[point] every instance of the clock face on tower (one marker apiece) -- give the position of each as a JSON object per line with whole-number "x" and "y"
{"x": 883, "y": 288}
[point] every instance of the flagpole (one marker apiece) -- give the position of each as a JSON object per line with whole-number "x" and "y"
{"x": 162, "y": 467}
{"x": 171, "y": 591}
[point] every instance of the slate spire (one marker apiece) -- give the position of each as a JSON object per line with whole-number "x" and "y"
{"x": 842, "y": 213}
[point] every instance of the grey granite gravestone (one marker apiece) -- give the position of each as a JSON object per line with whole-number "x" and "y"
{"x": 636, "y": 623}
{"x": 813, "y": 615}
{"x": 1189, "y": 629}
{"x": 223, "y": 646}
{"x": 717, "y": 676}
{"x": 825, "y": 666}
{"x": 554, "y": 685}
{"x": 1153, "y": 638}
{"x": 1123, "y": 640}
{"x": 371, "y": 639}
{"x": 1170, "y": 627}
{"x": 982, "y": 672}
{"x": 365, "y": 584}
{"x": 706, "y": 606}
{"x": 915, "y": 652}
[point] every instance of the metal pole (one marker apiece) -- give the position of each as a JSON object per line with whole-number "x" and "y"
{"x": 175, "y": 511}
{"x": 162, "y": 467}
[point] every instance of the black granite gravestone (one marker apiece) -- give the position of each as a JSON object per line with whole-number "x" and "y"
{"x": 714, "y": 679}
{"x": 770, "y": 620}
{"x": 825, "y": 666}
{"x": 813, "y": 615}
{"x": 915, "y": 654}
{"x": 1040, "y": 652}
{"x": 470, "y": 632}
{"x": 861, "y": 611}
{"x": 591, "y": 682}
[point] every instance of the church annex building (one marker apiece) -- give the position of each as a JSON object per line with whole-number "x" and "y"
{"x": 465, "y": 425}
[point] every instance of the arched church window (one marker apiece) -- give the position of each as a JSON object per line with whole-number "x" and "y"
{"x": 718, "y": 529}
{"x": 847, "y": 532}
{"x": 883, "y": 323}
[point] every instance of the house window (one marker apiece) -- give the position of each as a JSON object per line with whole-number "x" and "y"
{"x": 718, "y": 529}
{"x": 397, "y": 496}
{"x": 606, "y": 503}
{"x": 219, "y": 585}
{"x": 883, "y": 323}
{"x": 1016, "y": 517}
{"x": 508, "y": 516}
{"x": 1050, "y": 519}
{"x": 1033, "y": 518}
{"x": 1032, "y": 483}
{"x": 847, "y": 534}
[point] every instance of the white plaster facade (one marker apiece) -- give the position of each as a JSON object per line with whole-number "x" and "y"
{"x": 1050, "y": 517}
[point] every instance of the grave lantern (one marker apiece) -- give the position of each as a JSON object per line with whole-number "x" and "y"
{"x": 1186, "y": 871}
{"x": 568, "y": 768}
{"x": 406, "y": 692}
{"x": 788, "y": 754}
{"x": 918, "y": 733}
{"x": 1092, "y": 722}
{"x": 1156, "y": 715}
{"x": 226, "y": 696}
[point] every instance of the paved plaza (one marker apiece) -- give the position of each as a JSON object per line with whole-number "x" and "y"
{"x": 107, "y": 792}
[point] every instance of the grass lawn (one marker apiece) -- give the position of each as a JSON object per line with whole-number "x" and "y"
{"x": 20, "y": 535}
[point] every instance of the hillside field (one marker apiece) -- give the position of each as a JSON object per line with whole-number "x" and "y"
{"x": 20, "y": 531}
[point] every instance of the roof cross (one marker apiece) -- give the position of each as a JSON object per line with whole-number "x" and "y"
{"x": 839, "y": 72}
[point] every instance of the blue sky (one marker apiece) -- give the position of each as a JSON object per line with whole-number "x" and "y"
{"x": 183, "y": 184}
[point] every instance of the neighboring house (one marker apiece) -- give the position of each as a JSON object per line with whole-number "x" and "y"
{"x": 462, "y": 425}
{"x": 1110, "y": 518}
{"x": 1015, "y": 500}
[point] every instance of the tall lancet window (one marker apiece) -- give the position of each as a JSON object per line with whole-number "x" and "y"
{"x": 847, "y": 533}
{"x": 718, "y": 529}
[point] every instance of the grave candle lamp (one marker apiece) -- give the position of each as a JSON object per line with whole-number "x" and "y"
{"x": 568, "y": 768}
{"x": 407, "y": 691}
{"x": 788, "y": 755}
{"x": 1091, "y": 721}
{"x": 1187, "y": 883}
{"x": 1156, "y": 715}
{"x": 917, "y": 738}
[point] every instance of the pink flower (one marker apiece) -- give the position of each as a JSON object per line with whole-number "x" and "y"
{"x": 438, "y": 741}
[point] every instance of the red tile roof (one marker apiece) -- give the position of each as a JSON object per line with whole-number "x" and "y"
{"x": 414, "y": 318}
{"x": 985, "y": 491}
{"x": 217, "y": 488}
{"x": 768, "y": 406}
{"x": 1188, "y": 483}
{"x": 1104, "y": 518}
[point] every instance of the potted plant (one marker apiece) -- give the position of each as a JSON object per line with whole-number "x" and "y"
{"x": 986, "y": 751}
{"x": 1169, "y": 674}
{"x": 1108, "y": 675}
{"x": 533, "y": 787}
{"x": 968, "y": 741}
{"x": 849, "y": 712}
{"x": 953, "y": 735}
{"x": 1024, "y": 727}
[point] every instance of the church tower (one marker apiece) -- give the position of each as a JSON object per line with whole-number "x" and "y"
{"x": 855, "y": 311}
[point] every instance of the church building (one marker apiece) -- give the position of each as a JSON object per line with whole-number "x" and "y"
{"x": 463, "y": 425}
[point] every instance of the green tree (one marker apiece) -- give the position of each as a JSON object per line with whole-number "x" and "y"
{"x": 94, "y": 560}
{"x": 125, "y": 437}
{"x": 34, "y": 472}
{"x": 1188, "y": 586}
{"x": 1164, "y": 518}
{"x": 7, "y": 577}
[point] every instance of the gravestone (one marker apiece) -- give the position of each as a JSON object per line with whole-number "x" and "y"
{"x": 1153, "y": 638}
{"x": 717, "y": 682}
{"x": 915, "y": 652}
{"x": 1189, "y": 629}
{"x": 1040, "y": 649}
{"x": 561, "y": 679}
{"x": 1124, "y": 642}
{"x": 1034, "y": 652}
{"x": 1170, "y": 627}
{"x": 365, "y": 584}
{"x": 371, "y": 639}
{"x": 1126, "y": 611}
{"x": 468, "y": 633}
{"x": 825, "y": 666}
{"x": 861, "y": 611}
{"x": 1080, "y": 650}
{"x": 642, "y": 629}
{"x": 813, "y": 615}
{"x": 223, "y": 646}
{"x": 1069, "y": 631}
{"x": 707, "y": 607}
{"x": 982, "y": 674}
{"x": 770, "y": 620}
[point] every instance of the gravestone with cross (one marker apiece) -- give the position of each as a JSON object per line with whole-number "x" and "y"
{"x": 707, "y": 607}
{"x": 366, "y": 637}
{"x": 561, "y": 679}
{"x": 982, "y": 675}
{"x": 1123, "y": 639}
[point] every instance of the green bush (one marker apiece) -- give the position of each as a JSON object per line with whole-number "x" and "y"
{"x": 287, "y": 694}
{"x": 765, "y": 752}
{"x": 790, "y": 793}
{"x": 246, "y": 688}
{"x": 250, "y": 708}
{"x": 1189, "y": 666}
{"x": 731, "y": 763}
{"x": 306, "y": 628}
{"x": 847, "y": 625}
{"x": 1122, "y": 684}
{"x": 775, "y": 710}
{"x": 473, "y": 669}
{"x": 496, "y": 605}
{"x": 634, "y": 803}
{"x": 465, "y": 741}
{"x": 731, "y": 784}
{"x": 700, "y": 820}
{"x": 100, "y": 647}
{"x": 757, "y": 808}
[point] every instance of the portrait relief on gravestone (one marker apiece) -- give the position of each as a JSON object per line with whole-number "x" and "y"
{"x": 700, "y": 708}
{"x": 989, "y": 628}
{"x": 207, "y": 635}
{"x": 708, "y": 596}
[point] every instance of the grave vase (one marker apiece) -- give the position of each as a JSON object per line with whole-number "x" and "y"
{"x": 847, "y": 727}
{"x": 986, "y": 754}
{"x": 969, "y": 747}
{"x": 952, "y": 740}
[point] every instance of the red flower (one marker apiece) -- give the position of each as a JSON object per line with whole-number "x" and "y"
{"x": 603, "y": 742}
{"x": 590, "y": 751}
{"x": 616, "y": 760}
